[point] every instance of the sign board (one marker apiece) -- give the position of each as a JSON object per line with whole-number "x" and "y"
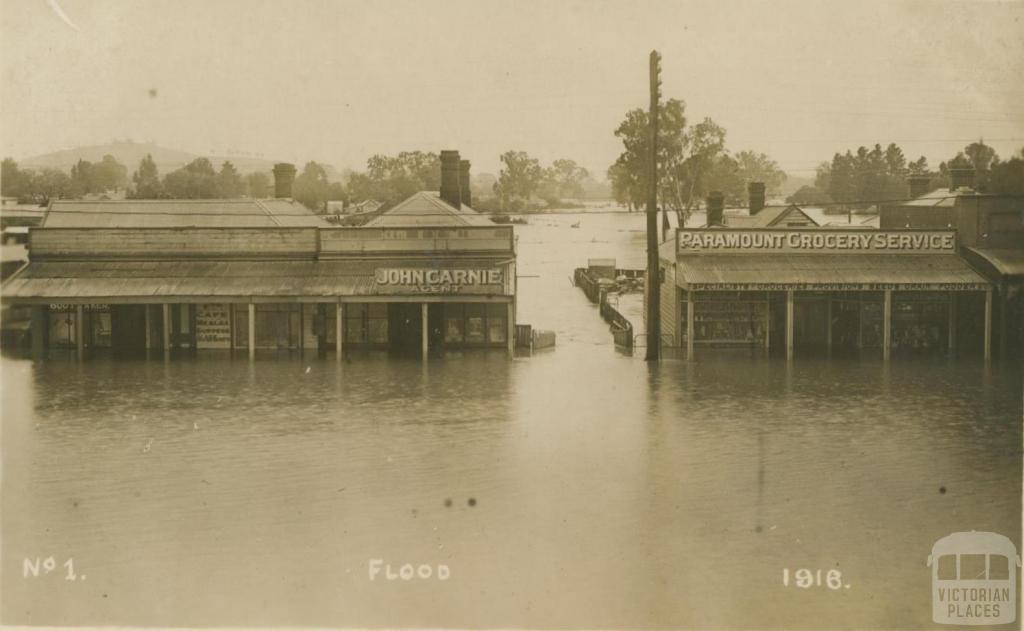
{"x": 439, "y": 281}
{"x": 773, "y": 286}
{"x": 815, "y": 241}
{"x": 63, "y": 307}
{"x": 213, "y": 326}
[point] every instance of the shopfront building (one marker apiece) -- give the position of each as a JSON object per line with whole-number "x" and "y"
{"x": 448, "y": 283}
{"x": 795, "y": 291}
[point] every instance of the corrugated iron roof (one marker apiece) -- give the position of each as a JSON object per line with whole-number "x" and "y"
{"x": 426, "y": 208}
{"x": 228, "y": 279}
{"x": 206, "y": 213}
{"x": 827, "y": 270}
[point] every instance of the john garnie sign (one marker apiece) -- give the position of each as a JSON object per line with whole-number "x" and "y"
{"x": 724, "y": 240}
{"x": 440, "y": 281}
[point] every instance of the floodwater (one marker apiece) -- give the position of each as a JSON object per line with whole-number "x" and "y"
{"x": 577, "y": 488}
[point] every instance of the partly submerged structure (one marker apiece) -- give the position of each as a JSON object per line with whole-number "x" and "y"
{"x": 938, "y": 277}
{"x": 196, "y": 275}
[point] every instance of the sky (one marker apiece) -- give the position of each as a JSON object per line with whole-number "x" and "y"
{"x": 338, "y": 81}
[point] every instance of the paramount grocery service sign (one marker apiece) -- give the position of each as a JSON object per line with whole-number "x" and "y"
{"x": 814, "y": 240}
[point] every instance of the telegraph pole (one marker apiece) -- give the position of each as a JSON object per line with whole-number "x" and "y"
{"x": 653, "y": 273}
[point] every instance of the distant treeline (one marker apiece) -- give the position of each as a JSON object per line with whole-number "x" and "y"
{"x": 522, "y": 184}
{"x": 868, "y": 176}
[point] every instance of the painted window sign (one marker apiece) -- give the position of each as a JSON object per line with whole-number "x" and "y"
{"x": 831, "y": 241}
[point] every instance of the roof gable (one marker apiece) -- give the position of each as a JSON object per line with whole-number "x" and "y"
{"x": 426, "y": 208}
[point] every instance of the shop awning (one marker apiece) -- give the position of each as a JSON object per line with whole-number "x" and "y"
{"x": 835, "y": 272}
{"x": 1006, "y": 262}
{"x": 140, "y": 281}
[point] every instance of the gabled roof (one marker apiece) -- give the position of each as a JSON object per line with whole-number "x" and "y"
{"x": 426, "y": 208}
{"x": 770, "y": 216}
{"x": 172, "y": 213}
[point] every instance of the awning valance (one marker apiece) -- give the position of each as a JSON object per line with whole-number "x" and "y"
{"x": 836, "y": 272}
{"x": 193, "y": 280}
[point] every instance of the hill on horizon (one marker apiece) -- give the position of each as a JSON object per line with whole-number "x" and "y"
{"x": 130, "y": 153}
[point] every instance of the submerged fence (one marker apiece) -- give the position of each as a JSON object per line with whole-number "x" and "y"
{"x": 621, "y": 327}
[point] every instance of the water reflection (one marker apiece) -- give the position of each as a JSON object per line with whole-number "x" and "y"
{"x": 607, "y": 492}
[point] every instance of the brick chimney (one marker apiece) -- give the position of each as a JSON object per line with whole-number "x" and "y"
{"x": 961, "y": 178}
{"x": 715, "y": 208}
{"x": 464, "y": 182}
{"x": 284, "y": 176}
{"x": 451, "y": 192}
{"x": 918, "y": 185}
{"x": 755, "y": 192}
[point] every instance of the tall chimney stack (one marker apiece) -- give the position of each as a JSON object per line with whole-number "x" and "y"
{"x": 961, "y": 178}
{"x": 284, "y": 176}
{"x": 464, "y": 182}
{"x": 450, "y": 189}
{"x": 755, "y": 192}
{"x": 715, "y": 208}
{"x": 918, "y": 185}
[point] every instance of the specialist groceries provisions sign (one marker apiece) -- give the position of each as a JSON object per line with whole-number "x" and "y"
{"x": 818, "y": 241}
{"x": 404, "y": 280}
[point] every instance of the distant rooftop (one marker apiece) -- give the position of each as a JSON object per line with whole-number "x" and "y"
{"x": 769, "y": 216}
{"x": 942, "y": 197}
{"x": 179, "y": 213}
{"x": 426, "y": 208}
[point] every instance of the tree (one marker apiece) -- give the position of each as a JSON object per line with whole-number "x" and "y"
{"x": 519, "y": 178}
{"x": 13, "y": 181}
{"x": 109, "y": 174}
{"x": 50, "y": 184}
{"x": 391, "y": 179}
{"x": 147, "y": 180}
{"x": 689, "y": 160}
{"x": 809, "y": 196}
{"x": 919, "y": 166}
{"x": 82, "y": 178}
{"x": 758, "y": 167}
{"x": 630, "y": 172}
{"x": 310, "y": 187}
{"x": 567, "y": 178}
{"x": 195, "y": 180}
{"x": 229, "y": 182}
{"x": 257, "y": 184}
{"x": 1007, "y": 178}
{"x": 980, "y": 155}
{"x": 867, "y": 177}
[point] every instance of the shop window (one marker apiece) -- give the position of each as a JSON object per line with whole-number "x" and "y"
{"x": 475, "y": 324}
{"x": 62, "y": 327}
{"x": 919, "y": 320}
{"x": 454, "y": 317}
{"x": 728, "y": 320}
{"x": 366, "y": 323}
{"x": 496, "y": 323}
{"x": 277, "y": 326}
{"x": 213, "y": 326}
{"x": 99, "y": 328}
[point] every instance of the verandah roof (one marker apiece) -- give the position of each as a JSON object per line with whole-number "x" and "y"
{"x": 162, "y": 280}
